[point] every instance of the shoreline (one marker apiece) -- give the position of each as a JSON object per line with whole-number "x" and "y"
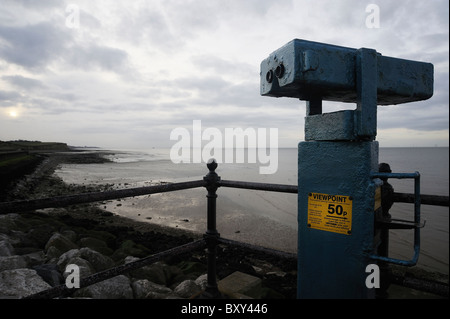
{"x": 43, "y": 183}
{"x": 27, "y": 238}
{"x": 243, "y": 216}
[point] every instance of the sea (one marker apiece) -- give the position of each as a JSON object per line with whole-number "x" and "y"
{"x": 258, "y": 217}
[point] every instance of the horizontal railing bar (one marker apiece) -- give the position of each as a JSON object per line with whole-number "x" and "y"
{"x": 436, "y": 200}
{"x": 67, "y": 200}
{"x": 268, "y": 251}
{"x": 63, "y": 290}
{"x": 395, "y": 175}
{"x": 260, "y": 186}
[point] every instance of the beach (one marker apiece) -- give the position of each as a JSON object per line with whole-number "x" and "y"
{"x": 243, "y": 215}
{"x": 50, "y": 237}
{"x": 149, "y": 220}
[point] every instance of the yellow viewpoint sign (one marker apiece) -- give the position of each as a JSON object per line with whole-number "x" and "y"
{"x": 331, "y": 213}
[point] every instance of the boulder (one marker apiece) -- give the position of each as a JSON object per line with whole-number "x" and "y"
{"x": 154, "y": 272}
{"x": 130, "y": 248}
{"x": 64, "y": 258}
{"x": 86, "y": 269}
{"x": 96, "y": 259}
{"x": 96, "y": 244}
{"x": 145, "y": 289}
{"x": 60, "y": 242}
{"x": 50, "y": 273}
{"x": 6, "y": 249}
{"x": 35, "y": 258}
{"x": 52, "y": 255}
{"x": 70, "y": 235}
{"x": 187, "y": 289}
{"x": 40, "y": 235}
{"x": 174, "y": 275}
{"x": 12, "y": 262}
{"x": 192, "y": 268}
{"x": 202, "y": 281}
{"x": 17, "y": 283}
{"x": 8, "y": 222}
{"x": 114, "y": 288}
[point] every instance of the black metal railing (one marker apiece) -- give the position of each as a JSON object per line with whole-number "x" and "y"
{"x": 210, "y": 239}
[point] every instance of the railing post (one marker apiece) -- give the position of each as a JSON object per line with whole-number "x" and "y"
{"x": 211, "y": 236}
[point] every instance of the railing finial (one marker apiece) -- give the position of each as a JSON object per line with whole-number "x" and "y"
{"x": 212, "y": 164}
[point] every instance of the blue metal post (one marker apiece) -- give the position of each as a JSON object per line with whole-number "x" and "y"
{"x": 337, "y": 194}
{"x": 332, "y": 259}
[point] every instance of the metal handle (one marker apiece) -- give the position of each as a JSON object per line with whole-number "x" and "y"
{"x": 417, "y": 225}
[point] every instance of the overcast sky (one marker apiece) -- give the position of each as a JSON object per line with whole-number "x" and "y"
{"x": 124, "y": 74}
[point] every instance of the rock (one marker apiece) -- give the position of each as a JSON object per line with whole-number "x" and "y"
{"x": 278, "y": 273}
{"x": 17, "y": 238}
{"x": 39, "y": 235}
{"x": 60, "y": 242}
{"x": 187, "y": 289}
{"x": 73, "y": 257}
{"x": 105, "y": 236}
{"x": 6, "y": 249}
{"x": 64, "y": 258}
{"x": 145, "y": 289}
{"x": 192, "y": 268}
{"x": 130, "y": 248}
{"x": 19, "y": 283}
{"x": 35, "y": 258}
{"x": 130, "y": 259}
{"x": 50, "y": 273}
{"x": 52, "y": 254}
{"x": 154, "y": 272}
{"x": 70, "y": 235}
{"x": 8, "y": 222}
{"x": 96, "y": 259}
{"x": 96, "y": 244}
{"x": 202, "y": 281}
{"x": 86, "y": 269}
{"x": 12, "y": 262}
{"x": 114, "y": 288}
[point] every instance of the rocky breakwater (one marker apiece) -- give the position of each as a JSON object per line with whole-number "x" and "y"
{"x": 36, "y": 248}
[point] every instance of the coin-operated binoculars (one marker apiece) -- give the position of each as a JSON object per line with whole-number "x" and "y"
{"x": 338, "y": 178}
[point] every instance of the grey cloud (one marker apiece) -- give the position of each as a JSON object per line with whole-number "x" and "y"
{"x": 23, "y": 82}
{"x": 36, "y": 4}
{"x": 35, "y": 47}
{"x": 221, "y": 66}
{"x": 106, "y": 58}
{"x": 32, "y": 46}
{"x": 147, "y": 25}
{"x": 9, "y": 97}
{"x": 421, "y": 116}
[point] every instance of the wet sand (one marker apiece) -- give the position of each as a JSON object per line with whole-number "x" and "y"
{"x": 187, "y": 210}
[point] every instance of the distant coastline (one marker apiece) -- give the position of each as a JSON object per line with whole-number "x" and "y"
{"x": 20, "y": 157}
